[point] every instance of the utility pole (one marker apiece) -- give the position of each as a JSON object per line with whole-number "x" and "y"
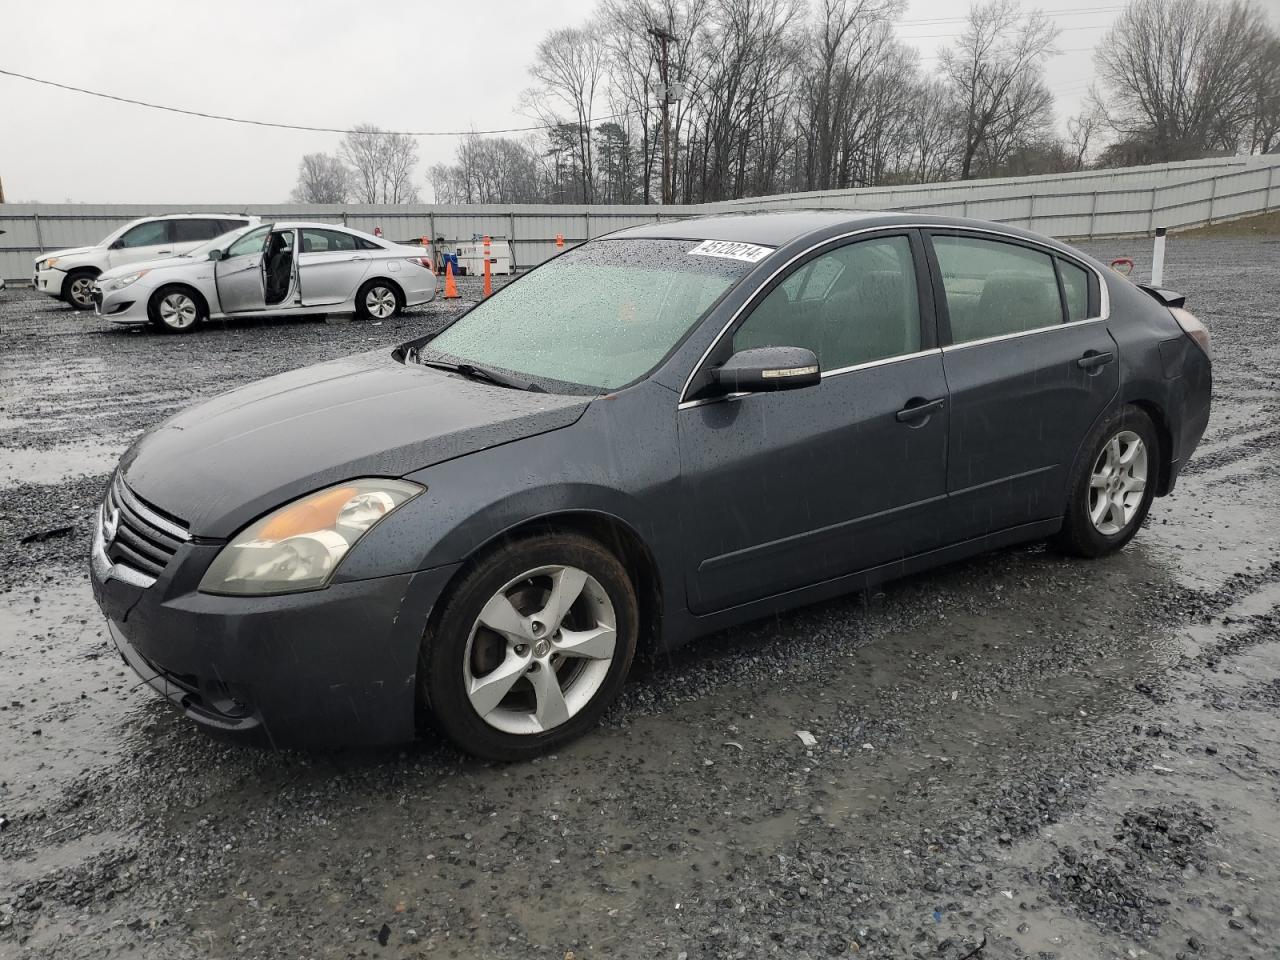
{"x": 665, "y": 37}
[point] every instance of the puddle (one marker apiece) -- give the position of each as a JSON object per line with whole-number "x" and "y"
{"x": 62, "y": 462}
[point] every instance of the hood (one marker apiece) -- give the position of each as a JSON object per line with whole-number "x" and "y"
{"x": 69, "y": 252}
{"x": 129, "y": 268}
{"x": 223, "y": 463}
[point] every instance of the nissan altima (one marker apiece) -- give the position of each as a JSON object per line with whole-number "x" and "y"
{"x": 280, "y": 268}
{"x": 663, "y": 432}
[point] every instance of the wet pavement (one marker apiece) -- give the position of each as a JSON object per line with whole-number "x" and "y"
{"x": 1023, "y": 755}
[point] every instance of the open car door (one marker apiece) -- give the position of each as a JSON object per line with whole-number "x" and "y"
{"x": 239, "y": 274}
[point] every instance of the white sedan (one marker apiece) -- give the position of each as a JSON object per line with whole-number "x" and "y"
{"x": 289, "y": 268}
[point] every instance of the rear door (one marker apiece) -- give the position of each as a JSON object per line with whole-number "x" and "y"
{"x": 239, "y": 274}
{"x": 1030, "y": 368}
{"x": 147, "y": 241}
{"x": 331, "y": 266}
{"x": 782, "y": 490}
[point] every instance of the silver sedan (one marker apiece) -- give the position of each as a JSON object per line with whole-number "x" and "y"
{"x": 288, "y": 268}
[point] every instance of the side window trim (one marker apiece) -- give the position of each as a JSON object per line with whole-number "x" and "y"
{"x": 712, "y": 352}
{"x": 946, "y": 340}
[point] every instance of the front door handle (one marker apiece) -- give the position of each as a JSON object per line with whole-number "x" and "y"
{"x": 1093, "y": 359}
{"x": 918, "y": 408}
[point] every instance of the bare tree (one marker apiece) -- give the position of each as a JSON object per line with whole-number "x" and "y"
{"x": 1181, "y": 74}
{"x": 569, "y": 68}
{"x": 1083, "y": 130}
{"x": 380, "y": 164}
{"x": 996, "y": 73}
{"x": 1264, "y": 136}
{"x": 321, "y": 179}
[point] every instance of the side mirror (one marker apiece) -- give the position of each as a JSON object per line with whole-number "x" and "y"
{"x": 215, "y": 254}
{"x": 117, "y": 245}
{"x": 765, "y": 369}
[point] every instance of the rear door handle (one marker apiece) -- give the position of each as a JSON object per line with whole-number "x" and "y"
{"x": 1093, "y": 359}
{"x": 918, "y": 411}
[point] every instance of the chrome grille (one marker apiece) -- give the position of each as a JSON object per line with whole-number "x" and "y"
{"x": 137, "y": 535}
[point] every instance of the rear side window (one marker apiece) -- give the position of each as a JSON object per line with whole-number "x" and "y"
{"x": 147, "y": 234}
{"x": 853, "y": 305}
{"x": 994, "y": 289}
{"x": 1075, "y": 287}
{"x": 325, "y": 241}
{"x": 226, "y": 226}
{"x": 193, "y": 231}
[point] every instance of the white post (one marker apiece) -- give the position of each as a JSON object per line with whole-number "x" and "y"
{"x": 1157, "y": 259}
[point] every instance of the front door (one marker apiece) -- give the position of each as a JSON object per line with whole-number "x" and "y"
{"x": 147, "y": 241}
{"x": 239, "y": 274}
{"x": 331, "y": 266}
{"x": 782, "y": 490}
{"x": 1030, "y": 370}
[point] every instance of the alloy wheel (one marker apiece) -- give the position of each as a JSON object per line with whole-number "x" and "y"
{"x": 540, "y": 650}
{"x": 178, "y": 311}
{"x": 81, "y": 291}
{"x": 1117, "y": 483}
{"x": 380, "y": 302}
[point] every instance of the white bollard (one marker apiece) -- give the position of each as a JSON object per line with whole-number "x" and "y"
{"x": 1157, "y": 259}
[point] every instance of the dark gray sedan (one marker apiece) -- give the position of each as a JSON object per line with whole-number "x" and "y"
{"x": 658, "y": 434}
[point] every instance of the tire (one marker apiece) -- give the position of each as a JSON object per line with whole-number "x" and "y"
{"x": 379, "y": 300}
{"x": 1111, "y": 485}
{"x": 77, "y": 289}
{"x": 176, "y": 309}
{"x": 517, "y": 714}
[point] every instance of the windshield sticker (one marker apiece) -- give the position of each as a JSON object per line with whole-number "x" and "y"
{"x": 727, "y": 250}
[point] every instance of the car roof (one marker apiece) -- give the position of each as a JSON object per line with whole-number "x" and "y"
{"x": 778, "y": 228}
{"x": 200, "y": 216}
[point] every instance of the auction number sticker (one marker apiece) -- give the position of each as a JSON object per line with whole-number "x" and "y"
{"x": 728, "y": 250}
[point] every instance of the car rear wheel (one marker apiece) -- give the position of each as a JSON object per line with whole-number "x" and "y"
{"x": 77, "y": 289}
{"x": 1112, "y": 485}
{"x": 379, "y": 300}
{"x": 530, "y": 648}
{"x": 175, "y": 309}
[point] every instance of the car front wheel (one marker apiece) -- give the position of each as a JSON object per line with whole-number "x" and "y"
{"x": 77, "y": 289}
{"x": 1112, "y": 485}
{"x": 530, "y": 648}
{"x": 175, "y": 309}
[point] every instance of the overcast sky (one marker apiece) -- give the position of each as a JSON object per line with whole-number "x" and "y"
{"x": 403, "y": 64}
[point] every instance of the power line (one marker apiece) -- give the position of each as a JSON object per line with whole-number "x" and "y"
{"x": 289, "y": 126}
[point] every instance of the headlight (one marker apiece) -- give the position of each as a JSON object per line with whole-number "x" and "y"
{"x": 121, "y": 282}
{"x": 299, "y": 546}
{"x": 48, "y": 264}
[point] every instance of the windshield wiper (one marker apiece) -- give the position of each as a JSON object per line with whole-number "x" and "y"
{"x": 488, "y": 374}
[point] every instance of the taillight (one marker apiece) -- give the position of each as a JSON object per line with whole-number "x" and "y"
{"x": 423, "y": 262}
{"x": 1193, "y": 328}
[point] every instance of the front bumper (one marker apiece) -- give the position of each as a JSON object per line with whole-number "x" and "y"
{"x": 127, "y": 306}
{"x": 331, "y": 667}
{"x": 49, "y": 281}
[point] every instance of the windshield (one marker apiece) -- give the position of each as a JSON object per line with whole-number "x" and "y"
{"x": 217, "y": 243}
{"x": 599, "y": 316}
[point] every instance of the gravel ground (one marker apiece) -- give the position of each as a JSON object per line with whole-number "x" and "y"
{"x": 1018, "y": 756}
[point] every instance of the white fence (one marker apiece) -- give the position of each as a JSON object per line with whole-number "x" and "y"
{"x": 1132, "y": 200}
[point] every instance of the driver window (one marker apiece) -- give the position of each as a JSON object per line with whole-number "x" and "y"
{"x": 147, "y": 234}
{"x": 251, "y": 242}
{"x": 853, "y": 305}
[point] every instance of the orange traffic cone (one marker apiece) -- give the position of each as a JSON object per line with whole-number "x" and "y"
{"x": 450, "y": 285}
